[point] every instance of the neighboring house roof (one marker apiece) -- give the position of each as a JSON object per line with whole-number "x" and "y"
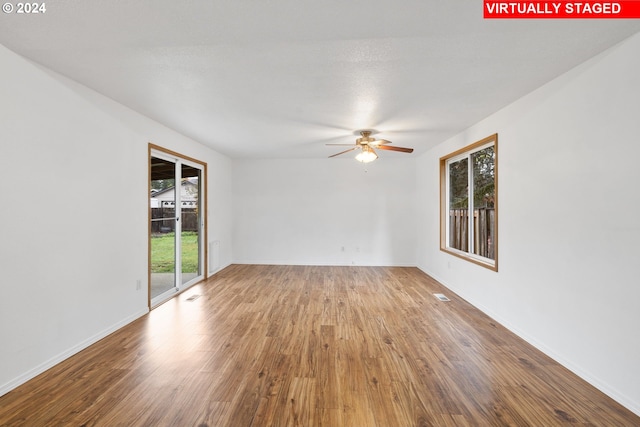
{"x": 156, "y": 193}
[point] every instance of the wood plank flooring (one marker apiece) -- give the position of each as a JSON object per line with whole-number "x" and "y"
{"x": 311, "y": 346}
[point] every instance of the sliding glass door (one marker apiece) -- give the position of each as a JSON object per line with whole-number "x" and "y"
{"x": 190, "y": 237}
{"x": 177, "y": 226}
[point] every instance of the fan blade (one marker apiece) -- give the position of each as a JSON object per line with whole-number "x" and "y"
{"x": 391, "y": 148}
{"x": 379, "y": 142}
{"x": 345, "y": 151}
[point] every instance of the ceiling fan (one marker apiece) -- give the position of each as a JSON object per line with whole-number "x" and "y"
{"x": 367, "y": 144}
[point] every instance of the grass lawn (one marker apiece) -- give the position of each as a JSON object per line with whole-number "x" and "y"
{"x": 162, "y": 252}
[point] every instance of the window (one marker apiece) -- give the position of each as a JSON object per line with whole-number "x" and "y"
{"x": 469, "y": 203}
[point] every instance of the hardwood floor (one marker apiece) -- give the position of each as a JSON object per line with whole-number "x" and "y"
{"x": 311, "y": 346}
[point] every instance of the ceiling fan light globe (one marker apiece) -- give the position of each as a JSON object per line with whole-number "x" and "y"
{"x": 366, "y": 156}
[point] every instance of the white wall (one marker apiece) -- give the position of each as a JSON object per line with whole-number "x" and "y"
{"x": 568, "y": 224}
{"x": 69, "y": 262}
{"x": 305, "y": 211}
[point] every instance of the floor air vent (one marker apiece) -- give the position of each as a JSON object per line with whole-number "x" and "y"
{"x": 193, "y": 297}
{"x": 441, "y": 297}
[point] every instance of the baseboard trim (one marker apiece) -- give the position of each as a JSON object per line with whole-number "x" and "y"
{"x": 322, "y": 264}
{"x": 219, "y": 269}
{"x": 32, "y": 373}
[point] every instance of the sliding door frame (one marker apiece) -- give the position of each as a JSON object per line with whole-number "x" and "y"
{"x": 203, "y": 216}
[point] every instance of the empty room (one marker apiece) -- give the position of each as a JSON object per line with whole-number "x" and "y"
{"x": 291, "y": 213}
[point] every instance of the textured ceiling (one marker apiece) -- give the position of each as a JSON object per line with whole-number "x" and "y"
{"x": 280, "y": 78}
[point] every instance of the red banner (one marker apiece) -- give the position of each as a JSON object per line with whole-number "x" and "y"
{"x": 626, "y": 9}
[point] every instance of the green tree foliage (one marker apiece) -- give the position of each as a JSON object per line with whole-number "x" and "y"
{"x": 484, "y": 188}
{"x": 162, "y": 184}
{"x": 483, "y": 164}
{"x": 458, "y": 184}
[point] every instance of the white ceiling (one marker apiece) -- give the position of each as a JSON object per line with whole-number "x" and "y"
{"x": 280, "y": 78}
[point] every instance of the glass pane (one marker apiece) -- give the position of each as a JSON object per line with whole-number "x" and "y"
{"x": 190, "y": 243}
{"x": 163, "y": 223}
{"x": 458, "y": 204}
{"x": 484, "y": 191}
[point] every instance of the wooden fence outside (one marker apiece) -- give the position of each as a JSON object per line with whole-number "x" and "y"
{"x": 483, "y": 225}
{"x": 189, "y": 220}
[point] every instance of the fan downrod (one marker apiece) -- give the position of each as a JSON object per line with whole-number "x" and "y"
{"x": 366, "y": 137}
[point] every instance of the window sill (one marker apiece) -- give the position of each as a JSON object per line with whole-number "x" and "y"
{"x": 483, "y": 262}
